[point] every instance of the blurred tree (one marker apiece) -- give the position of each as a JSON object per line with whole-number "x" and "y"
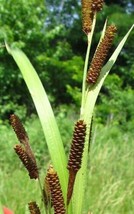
{"x": 51, "y": 36}
{"x": 64, "y": 11}
{"x": 25, "y": 25}
{"x": 21, "y": 24}
{"x": 116, "y": 107}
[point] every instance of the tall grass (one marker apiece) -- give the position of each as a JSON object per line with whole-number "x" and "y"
{"x": 111, "y": 174}
{"x": 110, "y": 184}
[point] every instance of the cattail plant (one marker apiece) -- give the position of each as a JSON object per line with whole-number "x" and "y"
{"x": 64, "y": 181}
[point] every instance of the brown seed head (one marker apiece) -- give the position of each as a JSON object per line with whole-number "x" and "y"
{"x": 75, "y": 156}
{"x": 21, "y": 134}
{"x": 27, "y": 161}
{"x": 18, "y": 128}
{"x": 56, "y": 193}
{"x": 33, "y": 208}
{"x": 100, "y": 55}
{"x": 77, "y": 146}
{"x": 87, "y": 15}
{"x": 97, "y": 5}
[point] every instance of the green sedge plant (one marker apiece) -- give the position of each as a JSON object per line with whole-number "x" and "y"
{"x": 65, "y": 182}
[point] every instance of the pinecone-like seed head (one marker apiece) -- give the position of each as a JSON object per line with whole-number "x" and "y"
{"x": 56, "y": 193}
{"x": 18, "y": 128}
{"x": 97, "y": 5}
{"x": 27, "y": 161}
{"x": 77, "y": 146}
{"x": 87, "y": 15}
{"x": 100, "y": 55}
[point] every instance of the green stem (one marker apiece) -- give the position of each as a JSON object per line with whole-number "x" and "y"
{"x": 89, "y": 38}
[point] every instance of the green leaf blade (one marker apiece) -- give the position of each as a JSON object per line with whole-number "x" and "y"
{"x": 45, "y": 114}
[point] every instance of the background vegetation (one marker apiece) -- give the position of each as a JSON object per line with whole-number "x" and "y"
{"x": 51, "y": 36}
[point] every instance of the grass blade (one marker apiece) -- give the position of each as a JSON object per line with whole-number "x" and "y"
{"x": 45, "y": 114}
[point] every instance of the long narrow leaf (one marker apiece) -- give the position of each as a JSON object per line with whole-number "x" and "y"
{"x": 45, "y": 113}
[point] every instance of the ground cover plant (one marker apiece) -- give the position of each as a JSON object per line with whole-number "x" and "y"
{"x": 63, "y": 190}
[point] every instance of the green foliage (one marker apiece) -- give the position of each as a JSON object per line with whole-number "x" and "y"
{"x": 117, "y": 15}
{"x": 62, "y": 73}
{"x": 12, "y": 190}
{"x": 65, "y": 117}
{"x": 21, "y": 24}
{"x": 115, "y": 104}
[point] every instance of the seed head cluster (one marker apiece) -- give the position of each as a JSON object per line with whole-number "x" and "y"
{"x": 24, "y": 150}
{"x": 75, "y": 157}
{"x": 77, "y": 146}
{"x": 97, "y": 5}
{"x": 56, "y": 193}
{"x": 18, "y": 128}
{"x": 100, "y": 55}
{"x": 86, "y": 15}
{"x": 89, "y": 7}
{"x": 27, "y": 161}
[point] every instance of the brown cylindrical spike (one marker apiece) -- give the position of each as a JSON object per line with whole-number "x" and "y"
{"x": 100, "y": 55}
{"x": 33, "y": 208}
{"x": 18, "y": 128}
{"x": 27, "y": 161}
{"x": 56, "y": 193}
{"x": 77, "y": 147}
{"x": 24, "y": 150}
{"x": 97, "y": 5}
{"x": 75, "y": 156}
{"x": 87, "y": 15}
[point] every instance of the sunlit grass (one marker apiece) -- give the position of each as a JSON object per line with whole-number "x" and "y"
{"x": 111, "y": 172}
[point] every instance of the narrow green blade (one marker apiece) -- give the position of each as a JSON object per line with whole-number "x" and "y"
{"x": 45, "y": 114}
